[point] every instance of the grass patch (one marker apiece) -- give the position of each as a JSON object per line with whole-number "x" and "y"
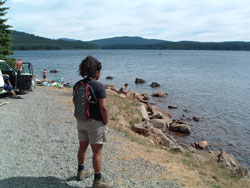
{"x": 149, "y": 150}
{"x": 113, "y": 117}
{"x": 135, "y": 121}
{"x": 128, "y": 108}
{"x": 217, "y": 186}
{"x": 188, "y": 154}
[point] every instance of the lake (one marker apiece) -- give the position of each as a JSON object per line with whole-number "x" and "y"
{"x": 214, "y": 85}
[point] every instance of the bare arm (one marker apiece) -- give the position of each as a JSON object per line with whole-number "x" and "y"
{"x": 9, "y": 83}
{"x": 104, "y": 110}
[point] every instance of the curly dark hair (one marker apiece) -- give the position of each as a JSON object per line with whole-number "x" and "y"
{"x": 89, "y": 66}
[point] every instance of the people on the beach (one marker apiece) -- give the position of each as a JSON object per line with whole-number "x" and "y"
{"x": 8, "y": 86}
{"x": 92, "y": 131}
{"x": 44, "y": 74}
{"x": 19, "y": 65}
{"x": 124, "y": 89}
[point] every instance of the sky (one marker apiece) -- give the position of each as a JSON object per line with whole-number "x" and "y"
{"x": 172, "y": 20}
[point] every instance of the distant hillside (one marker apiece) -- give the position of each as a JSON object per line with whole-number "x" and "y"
{"x": 66, "y": 39}
{"x": 125, "y": 41}
{"x": 25, "y": 41}
{"x": 142, "y": 43}
{"x": 188, "y": 45}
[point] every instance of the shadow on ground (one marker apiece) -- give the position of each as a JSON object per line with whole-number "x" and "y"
{"x": 35, "y": 182}
{"x": 5, "y": 95}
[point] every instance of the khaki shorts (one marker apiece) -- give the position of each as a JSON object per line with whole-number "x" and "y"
{"x": 92, "y": 131}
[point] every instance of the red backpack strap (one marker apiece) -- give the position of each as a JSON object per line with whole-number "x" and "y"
{"x": 87, "y": 99}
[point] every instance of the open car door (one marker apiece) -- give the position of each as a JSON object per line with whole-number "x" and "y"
{"x": 1, "y": 81}
{"x": 24, "y": 77}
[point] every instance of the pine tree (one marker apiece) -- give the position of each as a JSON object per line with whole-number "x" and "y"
{"x": 5, "y": 35}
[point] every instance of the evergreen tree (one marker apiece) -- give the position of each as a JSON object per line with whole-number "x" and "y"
{"x": 5, "y": 35}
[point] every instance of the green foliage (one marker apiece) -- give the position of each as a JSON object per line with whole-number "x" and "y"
{"x": 125, "y": 41}
{"x": 187, "y": 45}
{"x": 10, "y": 61}
{"x": 24, "y": 41}
{"x": 217, "y": 186}
{"x": 136, "y": 120}
{"x": 141, "y": 43}
{"x": 5, "y": 35}
{"x": 188, "y": 154}
{"x": 113, "y": 117}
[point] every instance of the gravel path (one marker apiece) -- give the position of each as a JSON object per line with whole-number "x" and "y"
{"x": 38, "y": 146}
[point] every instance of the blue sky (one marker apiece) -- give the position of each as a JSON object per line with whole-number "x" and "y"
{"x": 173, "y": 20}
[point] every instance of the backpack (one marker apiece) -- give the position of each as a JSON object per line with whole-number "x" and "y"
{"x": 83, "y": 97}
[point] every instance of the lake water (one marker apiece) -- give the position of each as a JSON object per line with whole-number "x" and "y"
{"x": 214, "y": 85}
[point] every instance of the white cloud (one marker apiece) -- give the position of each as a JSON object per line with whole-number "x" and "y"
{"x": 203, "y": 20}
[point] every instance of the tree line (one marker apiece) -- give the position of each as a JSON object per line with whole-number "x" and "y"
{"x": 5, "y": 36}
{"x": 187, "y": 45}
{"x": 24, "y": 41}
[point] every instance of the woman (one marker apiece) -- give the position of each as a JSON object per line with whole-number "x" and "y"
{"x": 92, "y": 131}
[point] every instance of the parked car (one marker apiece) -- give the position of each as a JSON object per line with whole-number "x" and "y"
{"x": 22, "y": 81}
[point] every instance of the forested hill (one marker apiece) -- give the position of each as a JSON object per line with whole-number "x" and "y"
{"x": 25, "y": 41}
{"x": 188, "y": 45}
{"x": 125, "y": 41}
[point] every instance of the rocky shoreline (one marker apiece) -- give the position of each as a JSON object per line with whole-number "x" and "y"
{"x": 158, "y": 126}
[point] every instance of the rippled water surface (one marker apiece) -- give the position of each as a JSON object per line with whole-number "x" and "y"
{"x": 214, "y": 85}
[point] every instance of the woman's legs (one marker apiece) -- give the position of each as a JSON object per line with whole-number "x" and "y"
{"x": 97, "y": 157}
{"x": 82, "y": 151}
{"x": 82, "y": 172}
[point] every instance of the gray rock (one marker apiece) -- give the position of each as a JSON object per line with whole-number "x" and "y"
{"x": 172, "y": 107}
{"x": 200, "y": 145}
{"x": 147, "y": 124}
{"x": 122, "y": 122}
{"x": 157, "y": 115}
{"x": 144, "y": 113}
{"x": 140, "y": 129}
{"x": 181, "y": 121}
{"x": 181, "y": 128}
{"x": 154, "y": 85}
{"x": 170, "y": 142}
{"x": 54, "y": 71}
{"x": 145, "y": 96}
{"x": 196, "y": 118}
{"x": 157, "y": 111}
{"x": 231, "y": 162}
{"x": 203, "y": 144}
{"x": 162, "y": 124}
{"x": 188, "y": 148}
{"x": 109, "y": 77}
{"x": 186, "y": 110}
{"x": 139, "y": 81}
{"x": 115, "y": 89}
{"x": 159, "y": 94}
{"x": 123, "y": 96}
